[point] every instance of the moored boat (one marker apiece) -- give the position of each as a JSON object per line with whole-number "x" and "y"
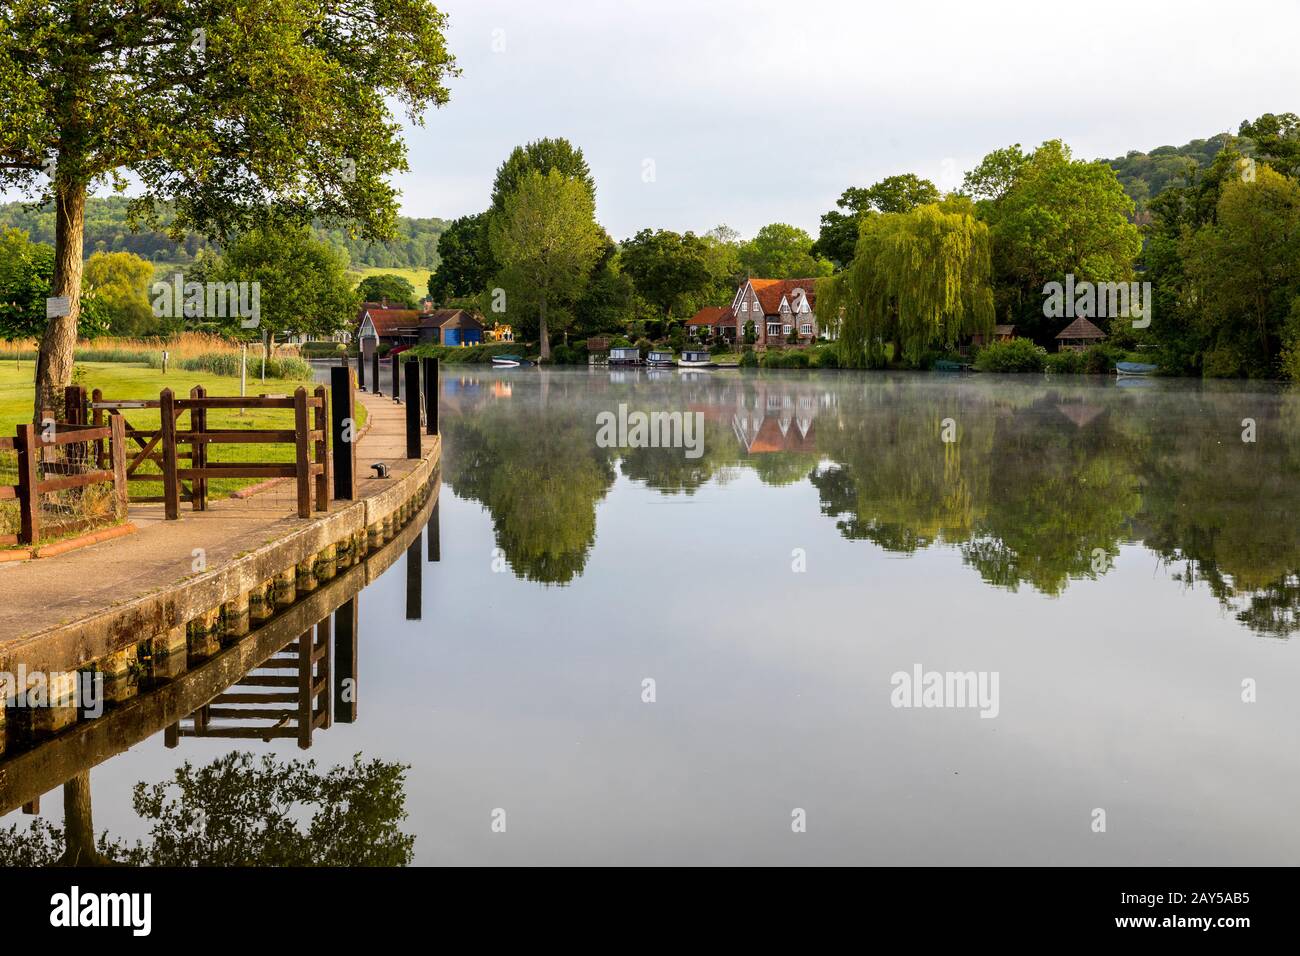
{"x": 660, "y": 359}
{"x": 1134, "y": 368}
{"x": 507, "y": 361}
{"x": 696, "y": 360}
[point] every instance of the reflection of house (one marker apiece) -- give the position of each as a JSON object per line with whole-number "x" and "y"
{"x": 771, "y": 420}
{"x": 1081, "y": 413}
{"x": 1078, "y": 335}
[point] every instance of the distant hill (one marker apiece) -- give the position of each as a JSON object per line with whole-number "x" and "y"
{"x": 1145, "y": 175}
{"x": 107, "y": 231}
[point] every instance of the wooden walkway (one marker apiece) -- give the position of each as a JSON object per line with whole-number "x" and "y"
{"x": 45, "y": 592}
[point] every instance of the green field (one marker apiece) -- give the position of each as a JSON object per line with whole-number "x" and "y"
{"x": 419, "y": 278}
{"x": 120, "y": 380}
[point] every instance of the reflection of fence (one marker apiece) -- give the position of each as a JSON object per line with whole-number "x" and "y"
{"x": 55, "y": 486}
{"x": 185, "y": 474}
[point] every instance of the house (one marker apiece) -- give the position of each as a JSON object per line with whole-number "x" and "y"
{"x": 783, "y": 311}
{"x": 1001, "y": 333}
{"x": 712, "y": 322}
{"x": 391, "y": 326}
{"x": 451, "y": 327}
{"x": 1079, "y": 335}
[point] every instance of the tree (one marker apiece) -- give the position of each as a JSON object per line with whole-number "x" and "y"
{"x": 839, "y": 229}
{"x": 606, "y": 304}
{"x": 666, "y": 267}
{"x": 1244, "y": 273}
{"x": 387, "y": 287}
{"x": 227, "y": 112}
{"x": 996, "y": 173}
{"x": 1277, "y": 140}
{"x": 541, "y": 156}
{"x": 782, "y": 251}
{"x": 918, "y": 279}
{"x": 303, "y": 283}
{"x": 547, "y": 242}
{"x": 26, "y": 276}
{"x": 120, "y": 281}
{"x": 1059, "y": 216}
{"x": 464, "y": 260}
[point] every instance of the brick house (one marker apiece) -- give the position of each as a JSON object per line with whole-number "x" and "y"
{"x": 779, "y": 308}
{"x": 397, "y": 327}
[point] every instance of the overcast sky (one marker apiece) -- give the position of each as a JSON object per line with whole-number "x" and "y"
{"x": 755, "y": 112}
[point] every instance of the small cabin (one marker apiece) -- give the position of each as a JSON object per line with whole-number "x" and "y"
{"x": 657, "y": 357}
{"x": 694, "y": 358}
{"x": 625, "y": 356}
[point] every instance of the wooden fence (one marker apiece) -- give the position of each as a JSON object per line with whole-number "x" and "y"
{"x": 185, "y": 474}
{"x": 34, "y": 446}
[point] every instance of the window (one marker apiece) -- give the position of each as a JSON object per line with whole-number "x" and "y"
{"x": 786, "y": 330}
{"x": 805, "y": 329}
{"x": 744, "y": 307}
{"x": 773, "y": 328}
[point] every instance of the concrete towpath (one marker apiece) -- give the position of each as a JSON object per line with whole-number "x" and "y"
{"x": 46, "y": 592}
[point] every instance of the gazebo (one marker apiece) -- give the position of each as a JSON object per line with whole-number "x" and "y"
{"x": 1078, "y": 335}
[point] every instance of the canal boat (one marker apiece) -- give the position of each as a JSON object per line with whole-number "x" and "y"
{"x": 660, "y": 359}
{"x": 625, "y": 356}
{"x": 696, "y": 360}
{"x": 1134, "y": 368}
{"x": 507, "y": 361}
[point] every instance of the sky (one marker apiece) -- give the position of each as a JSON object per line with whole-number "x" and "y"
{"x": 692, "y": 114}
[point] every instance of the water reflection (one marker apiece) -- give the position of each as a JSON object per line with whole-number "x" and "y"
{"x": 1041, "y": 485}
{"x": 291, "y": 678}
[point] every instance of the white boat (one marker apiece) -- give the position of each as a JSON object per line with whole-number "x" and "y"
{"x": 506, "y": 361}
{"x": 696, "y": 360}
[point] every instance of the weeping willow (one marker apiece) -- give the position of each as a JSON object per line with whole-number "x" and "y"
{"x": 919, "y": 280}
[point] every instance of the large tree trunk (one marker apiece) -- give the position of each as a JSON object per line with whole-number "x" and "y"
{"x": 54, "y": 366}
{"x": 78, "y": 828}
{"x": 541, "y": 329}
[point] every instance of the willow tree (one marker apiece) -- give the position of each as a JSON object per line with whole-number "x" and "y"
{"x": 223, "y": 113}
{"x": 919, "y": 280}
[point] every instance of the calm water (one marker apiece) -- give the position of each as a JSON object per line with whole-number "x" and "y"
{"x": 1118, "y": 556}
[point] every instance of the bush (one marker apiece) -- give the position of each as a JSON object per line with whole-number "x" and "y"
{"x": 1065, "y": 363}
{"x": 1097, "y": 360}
{"x": 825, "y": 356}
{"x": 748, "y": 358}
{"x": 1017, "y": 355}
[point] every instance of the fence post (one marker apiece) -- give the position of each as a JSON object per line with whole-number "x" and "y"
{"x": 198, "y": 450}
{"x": 431, "y": 388}
{"x": 374, "y": 372}
{"x": 301, "y": 425}
{"x": 74, "y": 397}
{"x": 29, "y": 497}
{"x": 412, "y": 409}
{"x": 97, "y": 419}
{"x": 171, "y": 487}
{"x": 117, "y": 427}
{"x": 343, "y": 419}
{"x": 321, "y": 424}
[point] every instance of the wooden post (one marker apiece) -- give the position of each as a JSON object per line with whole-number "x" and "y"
{"x": 397, "y": 377}
{"x": 171, "y": 485}
{"x": 343, "y": 419}
{"x": 434, "y": 531}
{"x": 97, "y": 419}
{"x": 117, "y": 424}
{"x": 374, "y": 371}
{"x": 321, "y": 424}
{"x": 412, "y": 371}
{"x": 29, "y": 497}
{"x": 73, "y": 404}
{"x": 345, "y": 661}
{"x": 199, "y": 450}
{"x": 301, "y": 426}
{"x": 431, "y": 388}
{"x": 361, "y": 366}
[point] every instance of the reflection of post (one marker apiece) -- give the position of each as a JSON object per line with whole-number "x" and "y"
{"x": 314, "y": 682}
{"x": 435, "y": 536}
{"x": 413, "y": 580}
{"x": 345, "y": 662}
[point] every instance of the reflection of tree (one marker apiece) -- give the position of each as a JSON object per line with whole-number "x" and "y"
{"x": 237, "y": 811}
{"x": 540, "y": 476}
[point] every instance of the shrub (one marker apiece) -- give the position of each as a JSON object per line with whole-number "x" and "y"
{"x": 825, "y": 356}
{"x": 1097, "y": 359}
{"x": 1065, "y": 363}
{"x": 1017, "y": 355}
{"x": 748, "y": 358}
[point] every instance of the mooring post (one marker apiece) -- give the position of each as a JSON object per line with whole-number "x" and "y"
{"x": 361, "y": 366}
{"x": 397, "y": 377}
{"x": 412, "y": 409}
{"x": 414, "y": 581}
{"x": 171, "y": 487}
{"x": 431, "y": 388}
{"x": 343, "y": 437}
{"x": 435, "y": 536}
{"x": 374, "y": 371}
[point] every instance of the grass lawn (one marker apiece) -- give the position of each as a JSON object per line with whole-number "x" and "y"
{"x": 121, "y": 380}
{"x": 419, "y": 278}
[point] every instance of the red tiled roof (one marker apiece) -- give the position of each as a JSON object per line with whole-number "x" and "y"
{"x": 390, "y": 321}
{"x": 710, "y": 315}
{"x": 770, "y": 292}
